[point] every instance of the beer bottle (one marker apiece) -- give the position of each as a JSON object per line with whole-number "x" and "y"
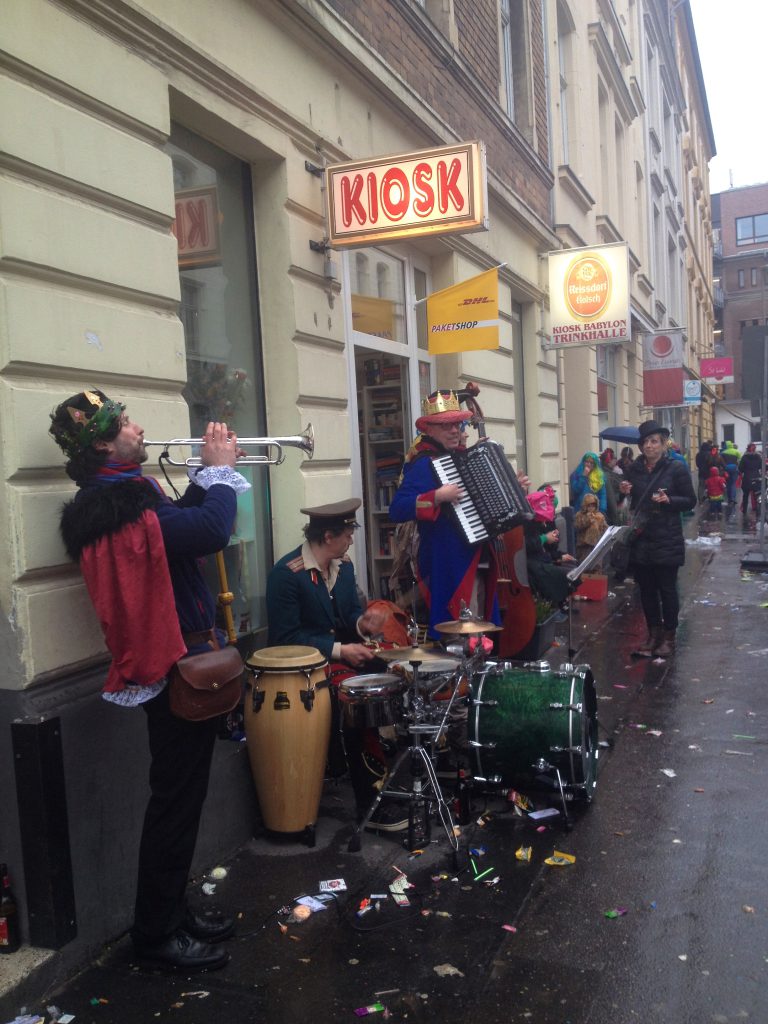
{"x": 9, "y": 917}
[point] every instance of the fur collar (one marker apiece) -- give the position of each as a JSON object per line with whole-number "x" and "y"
{"x": 95, "y": 512}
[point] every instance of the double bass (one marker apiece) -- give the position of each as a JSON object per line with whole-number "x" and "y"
{"x": 513, "y": 592}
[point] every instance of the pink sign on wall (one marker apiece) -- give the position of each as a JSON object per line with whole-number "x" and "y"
{"x": 717, "y": 371}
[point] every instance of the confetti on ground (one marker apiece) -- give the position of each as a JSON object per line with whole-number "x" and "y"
{"x": 747, "y": 909}
{"x": 669, "y": 772}
{"x": 616, "y": 912}
{"x": 509, "y": 928}
{"x": 740, "y": 753}
{"x": 683, "y": 957}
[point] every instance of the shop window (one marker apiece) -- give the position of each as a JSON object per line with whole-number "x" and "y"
{"x": 378, "y": 295}
{"x": 606, "y": 386}
{"x": 218, "y": 309}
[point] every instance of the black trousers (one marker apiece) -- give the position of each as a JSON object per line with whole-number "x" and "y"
{"x": 658, "y": 594}
{"x": 178, "y": 777}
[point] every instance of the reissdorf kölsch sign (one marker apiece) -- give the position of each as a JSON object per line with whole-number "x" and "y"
{"x": 589, "y": 296}
{"x": 432, "y": 192}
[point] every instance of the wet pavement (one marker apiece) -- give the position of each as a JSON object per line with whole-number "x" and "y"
{"x": 674, "y": 840}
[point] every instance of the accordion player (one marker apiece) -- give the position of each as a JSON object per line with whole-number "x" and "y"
{"x": 494, "y": 501}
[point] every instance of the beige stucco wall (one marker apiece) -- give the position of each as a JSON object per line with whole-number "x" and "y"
{"x": 88, "y": 276}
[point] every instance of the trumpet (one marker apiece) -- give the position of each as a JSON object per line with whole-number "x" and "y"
{"x": 305, "y": 442}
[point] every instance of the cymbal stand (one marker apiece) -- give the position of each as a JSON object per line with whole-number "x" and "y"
{"x": 423, "y": 792}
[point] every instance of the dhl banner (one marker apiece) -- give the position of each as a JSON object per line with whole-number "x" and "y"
{"x": 465, "y": 317}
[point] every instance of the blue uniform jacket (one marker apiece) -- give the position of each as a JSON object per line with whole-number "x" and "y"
{"x": 447, "y": 564}
{"x": 300, "y": 609}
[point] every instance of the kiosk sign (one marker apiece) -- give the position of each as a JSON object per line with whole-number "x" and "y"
{"x": 431, "y": 192}
{"x": 589, "y": 296}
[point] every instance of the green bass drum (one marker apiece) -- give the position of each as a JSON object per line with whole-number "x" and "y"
{"x": 526, "y": 723}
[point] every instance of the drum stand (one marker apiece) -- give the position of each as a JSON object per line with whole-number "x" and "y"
{"x": 425, "y": 788}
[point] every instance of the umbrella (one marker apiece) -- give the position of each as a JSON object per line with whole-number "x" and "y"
{"x": 628, "y": 435}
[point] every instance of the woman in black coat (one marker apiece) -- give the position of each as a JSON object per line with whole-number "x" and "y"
{"x": 750, "y": 469}
{"x": 661, "y": 490}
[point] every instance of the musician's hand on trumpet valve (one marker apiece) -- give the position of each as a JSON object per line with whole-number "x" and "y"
{"x": 220, "y": 448}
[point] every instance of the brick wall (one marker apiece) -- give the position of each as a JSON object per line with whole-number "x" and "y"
{"x": 415, "y": 51}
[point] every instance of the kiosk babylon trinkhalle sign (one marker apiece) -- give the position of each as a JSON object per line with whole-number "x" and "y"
{"x": 589, "y": 296}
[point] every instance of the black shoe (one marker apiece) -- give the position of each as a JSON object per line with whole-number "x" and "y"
{"x": 210, "y": 926}
{"x": 389, "y": 817}
{"x": 181, "y": 953}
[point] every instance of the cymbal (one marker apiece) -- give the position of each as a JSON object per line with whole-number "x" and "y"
{"x": 412, "y": 654}
{"x": 467, "y": 627}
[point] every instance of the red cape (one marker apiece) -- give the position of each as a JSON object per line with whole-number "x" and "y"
{"x": 129, "y": 583}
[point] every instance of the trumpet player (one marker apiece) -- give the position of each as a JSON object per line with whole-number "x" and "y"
{"x": 138, "y": 553}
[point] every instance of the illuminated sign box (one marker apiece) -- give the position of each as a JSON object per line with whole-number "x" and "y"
{"x": 589, "y": 296}
{"x": 432, "y": 192}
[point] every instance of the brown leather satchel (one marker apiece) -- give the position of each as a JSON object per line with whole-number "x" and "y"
{"x": 205, "y": 685}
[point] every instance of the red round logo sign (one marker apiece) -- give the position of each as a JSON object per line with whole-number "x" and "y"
{"x": 588, "y": 286}
{"x": 661, "y": 346}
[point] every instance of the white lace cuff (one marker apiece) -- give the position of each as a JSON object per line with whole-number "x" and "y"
{"x": 210, "y": 475}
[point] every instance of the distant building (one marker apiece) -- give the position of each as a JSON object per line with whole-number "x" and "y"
{"x": 741, "y": 262}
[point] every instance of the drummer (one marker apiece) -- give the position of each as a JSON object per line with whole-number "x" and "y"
{"x": 313, "y": 599}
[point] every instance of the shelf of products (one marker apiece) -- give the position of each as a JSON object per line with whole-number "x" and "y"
{"x": 383, "y": 423}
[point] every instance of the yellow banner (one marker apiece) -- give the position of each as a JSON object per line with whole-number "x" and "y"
{"x": 373, "y": 316}
{"x": 465, "y": 317}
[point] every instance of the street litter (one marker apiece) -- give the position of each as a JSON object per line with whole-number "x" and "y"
{"x": 740, "y": 753}
{"x": 683, "y": 957}
{"x": 363, "y": 1011}
{"x": 705, "y": 542}
{"x": 559, "y": 860}
{"x": 616, "y": 912}
{"x": 197, "y": 994}
{"x": 655, "y": 732}
{"x": 333, "y": 885}
{"x": 669, "y": 772}
{"x": 545, "y": 812}
{"x": 218, "y": 873}
{"x": 509, "y": 928}
{"x": 708, "y": 700}
{"x": 299, "y": 914}
{"x": 747, "y": 909}
{"x": 208, "y": 888}
{"x": 523, "y": 853}
{"x": 312, "y": 903}
{"x": 448, "y": 971}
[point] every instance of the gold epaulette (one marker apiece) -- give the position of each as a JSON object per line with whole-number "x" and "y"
{"x": 296, "y": 564}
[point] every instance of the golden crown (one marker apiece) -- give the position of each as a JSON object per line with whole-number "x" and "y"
{"x": 440, "y": 401}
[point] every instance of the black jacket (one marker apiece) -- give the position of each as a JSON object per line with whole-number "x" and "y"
{"x": 661, "y": 539}
{"x": 749, "y": 467}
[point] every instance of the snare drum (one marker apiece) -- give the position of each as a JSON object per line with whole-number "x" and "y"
{"x": 437, "y": 676}
{"x": 287, "y": 726}
{"x": 370, "y": 701}
{"x": 524, "y": 722}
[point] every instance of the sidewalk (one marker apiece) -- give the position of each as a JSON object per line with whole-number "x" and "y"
{"x": 565, "y": 961}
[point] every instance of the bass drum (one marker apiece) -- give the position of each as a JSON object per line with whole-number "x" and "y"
{"x": 525, "y": 723}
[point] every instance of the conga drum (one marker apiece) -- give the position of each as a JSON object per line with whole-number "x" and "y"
{"x": 287, "y": 726}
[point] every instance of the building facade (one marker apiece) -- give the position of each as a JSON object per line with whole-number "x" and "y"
{"x": 742, "y": 269}
{"x": 165, "y": 238}
{"x": 628, "y": 103}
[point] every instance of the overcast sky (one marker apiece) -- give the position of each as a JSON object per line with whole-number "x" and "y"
{"x": 733, "y": 41}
